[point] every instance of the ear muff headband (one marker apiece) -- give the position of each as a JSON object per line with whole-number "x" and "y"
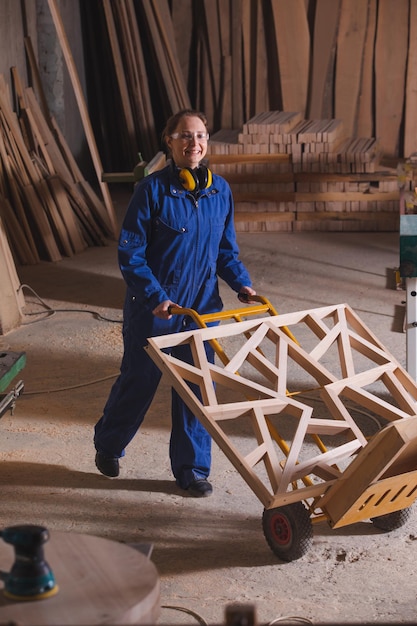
{"x": 191, "y": 180}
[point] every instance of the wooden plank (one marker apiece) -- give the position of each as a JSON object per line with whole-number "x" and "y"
{"x": 136, "y": 72}
{"x": 326, "y": 22}
{"x": 343, "y": 216}
{"x": 324, "y": 196}
{"x": 22, "y": 251}
{"x": 37, "y": 79}
{"x": 121, "y": 77}
{"x": 55, "y": 218}
{"x": 236, "y": 53}
{"x": 349, "y": 59}
{"x": 181, "y": 11}
{"x": 163, "y": 19}
{"x": 225, "y": 105}
{"x": 10, "y": 313}
{"x": 170, "y": 73}
{"x": 293, "y": 44}
{"x": 30, "y": 254}
{"x": 209, "y": 62}
{"x": 248, "y": 158}
{"x": 264, "y": 216}
{"x": 365, "y": 117}
{"x": 72, "y": 70}
{"x": 410, "y": 118}
{"x": 59, "y": 194}
{"x": 56, "y": 157}
{"x": 390, "y": 67}
{"x": 83, "y": 212}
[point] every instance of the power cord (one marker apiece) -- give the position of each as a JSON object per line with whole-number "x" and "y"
{"x": 198, "y": 617}
{"x": 50, "y": 311}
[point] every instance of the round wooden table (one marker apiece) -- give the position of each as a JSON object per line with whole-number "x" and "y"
{"x": 99, "y": 582}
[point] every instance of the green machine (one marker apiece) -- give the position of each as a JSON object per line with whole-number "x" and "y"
{"x": 408, "y": 246}
{"x": 408, "y": 270}
{"x": 11, "y": 363}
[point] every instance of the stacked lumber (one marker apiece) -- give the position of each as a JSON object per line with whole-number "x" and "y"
{"x": 49, "y": 210}
{"x": 328, "y": 59}
{"x": 290, "y": 173}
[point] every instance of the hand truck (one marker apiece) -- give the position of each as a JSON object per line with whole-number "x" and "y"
{"x": 353, "y": 479}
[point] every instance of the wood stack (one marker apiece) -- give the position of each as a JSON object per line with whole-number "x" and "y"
{"x": 328, "y": 59}
{"x": 290, "y": 173}
{"x": 49, "y": 210}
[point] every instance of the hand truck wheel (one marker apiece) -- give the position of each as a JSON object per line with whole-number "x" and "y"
{"x": 288, "y": 530}
{"x": 391, "y": 521}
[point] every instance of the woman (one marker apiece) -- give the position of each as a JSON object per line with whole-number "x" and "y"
{"x": 177, "y": 238}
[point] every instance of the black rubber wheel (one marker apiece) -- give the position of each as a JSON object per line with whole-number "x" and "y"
{"x": 288, "y": 530}
{"x": 391, "y": 521}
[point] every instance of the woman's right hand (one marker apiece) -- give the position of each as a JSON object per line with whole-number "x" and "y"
{"x": 163, "y": 309}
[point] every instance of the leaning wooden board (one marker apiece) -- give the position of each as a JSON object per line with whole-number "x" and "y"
{"x": 293, "y": 43}
{"x": 349, "y": 61}
{"x": 391, "y": 47}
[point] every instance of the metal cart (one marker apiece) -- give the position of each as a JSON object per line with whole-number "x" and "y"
{"x": 302, "y": 468}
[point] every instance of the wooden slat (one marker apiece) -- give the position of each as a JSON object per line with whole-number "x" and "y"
{"x": 365, "y": 117}
{"x": 236, "y": 52}
{"x": 121, "y": 78}
{"x": 54, "y": 152}
{"x": 293, "y": 43}
{"x": 349, "y": 60}
{"x": 318, "y": 196}
{"x": 12, "y": 299}
{"x": 326, "y": 21}
{"x": 390, "y": 67}
{"x": 172, "y": 79}
{"x": 59, "y": 194}
{"x": 410, "y": 117}
{"x": 22, "y": 251}
{"x": 225, "y": 111}
{"x": 37, "y": 81}
{"x": 135, "y": 68}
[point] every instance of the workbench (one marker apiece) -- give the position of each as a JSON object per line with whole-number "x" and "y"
{"x": 11, "y": 363}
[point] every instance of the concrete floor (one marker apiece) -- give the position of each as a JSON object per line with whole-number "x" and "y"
{"x": 210, "y": 553}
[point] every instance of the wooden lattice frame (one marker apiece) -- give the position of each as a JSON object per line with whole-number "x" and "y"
{"x": 290, "y": 473}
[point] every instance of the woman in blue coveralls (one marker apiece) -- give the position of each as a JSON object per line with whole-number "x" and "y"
{"x": 177, "y": 238}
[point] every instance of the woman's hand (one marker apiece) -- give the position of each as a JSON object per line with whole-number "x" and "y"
{"x": 245, "y": 293}
{"x": 163, "y": 309}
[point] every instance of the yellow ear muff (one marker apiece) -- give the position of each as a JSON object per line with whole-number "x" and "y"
{"x": 201, "y": 178}
{"x": 188, "y": 179}
{"x": 209, "y": 179}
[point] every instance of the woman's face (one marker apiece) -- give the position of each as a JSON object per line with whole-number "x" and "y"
{"x": 188, "y": 144}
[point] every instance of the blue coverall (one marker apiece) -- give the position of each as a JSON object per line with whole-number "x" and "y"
{"x": 173, "y": 246}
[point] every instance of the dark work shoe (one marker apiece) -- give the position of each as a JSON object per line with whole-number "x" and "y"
{"x": 200, "y": 488}
{"x": 109, "y": 466}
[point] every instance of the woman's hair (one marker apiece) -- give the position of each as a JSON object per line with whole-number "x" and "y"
{"x": 174, "y": 120}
